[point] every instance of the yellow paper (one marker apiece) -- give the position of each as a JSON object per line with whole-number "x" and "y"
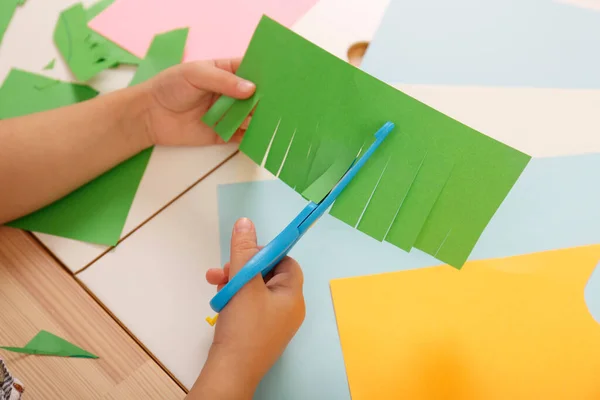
{"x": 501, "y": 329}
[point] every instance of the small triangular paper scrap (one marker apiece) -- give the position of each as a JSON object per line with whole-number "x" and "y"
{"x": 48, "y": 344}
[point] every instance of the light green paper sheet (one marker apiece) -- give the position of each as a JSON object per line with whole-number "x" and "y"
{"x": 97, "y": 211}
{"x": 434, "y": 184}
{"x": 86, "y": 52}
{"x": 48, "y": 344}
{"x": 7, "y": 10}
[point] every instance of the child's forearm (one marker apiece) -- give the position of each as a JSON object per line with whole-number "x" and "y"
{"x": 224, "y": 378}
{"x": 45, "y": 156}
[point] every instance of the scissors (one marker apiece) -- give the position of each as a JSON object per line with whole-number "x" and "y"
{"x": 270, "y": 255}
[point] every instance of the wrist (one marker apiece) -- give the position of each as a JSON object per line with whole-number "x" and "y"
{"x": 132, "y": 105}
{"x": 224, "y": 378}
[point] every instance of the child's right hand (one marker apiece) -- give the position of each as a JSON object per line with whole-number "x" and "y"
{"x": 255, "y": 327}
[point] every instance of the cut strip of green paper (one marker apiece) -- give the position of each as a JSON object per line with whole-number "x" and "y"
{"x": 48, "y": 344}
{"x": 97, "y": 211}
{"x": 7, "y": 10}
{"x": 434, "y": 184}
{"x": 86, "y": 52}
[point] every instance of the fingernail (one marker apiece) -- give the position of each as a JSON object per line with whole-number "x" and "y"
{"x": 243, "y": 225}
{"x": 245, "y": 86}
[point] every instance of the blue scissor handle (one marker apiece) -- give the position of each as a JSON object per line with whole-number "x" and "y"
{"x": 265, "y": 260}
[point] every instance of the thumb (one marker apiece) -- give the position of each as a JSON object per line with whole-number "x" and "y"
{"x": 243, "y": 245}
{"x": 209, "y": 77}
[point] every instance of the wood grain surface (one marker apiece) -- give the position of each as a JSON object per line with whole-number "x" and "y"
{"x": 36, "y": 293}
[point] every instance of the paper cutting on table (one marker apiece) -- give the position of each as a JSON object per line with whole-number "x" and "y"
{"x": 513, "y": 43}
{"x": 313, "y": 110}
{"x": 97, "y": 211}
{"x": 506, "y": 328}
{"x": 228, "y": 23}
{"x": 86, "y": 52}
{"x": 48, "y": 344}
{"x": 552, "y": 206}
{"x": 25, "y": 93}
{"x": 50, "y": 65}
{"x": 7, "y": 10}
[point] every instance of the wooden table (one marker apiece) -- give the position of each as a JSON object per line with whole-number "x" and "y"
{"x": 37, "y": 293}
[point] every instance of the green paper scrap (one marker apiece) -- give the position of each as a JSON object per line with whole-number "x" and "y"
{"x": 50, "y": 65}
{"x": 86, "y": 52}
{"x": 166, "y": 50}
{"x": 25, "y": 93}
{"x": 48, "y": 344}
{"x": 7, "y": 10}
{"x": 97, "y": 211}
{"x": 434, "y": 184}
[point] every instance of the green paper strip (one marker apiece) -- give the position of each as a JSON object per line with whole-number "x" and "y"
{"x": 97, "y": 211}
{"x": 236, "y": 115}
{"x": 420, "y": 200}
{"x": 218, "y": 110}
{"x": 7, "y": 10}
{"x": 392, "y": 191}
{"x": 323, "y": 185}
{"x": 259, "y": 133}
{"x": 323, "y": 109}
{"x": 48, "y": 344}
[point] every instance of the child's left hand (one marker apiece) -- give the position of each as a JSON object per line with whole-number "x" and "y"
{"x": 178, "y": 97}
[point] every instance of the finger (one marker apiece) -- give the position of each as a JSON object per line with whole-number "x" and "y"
{"x": 206, "y": 76}
{"x": 229, "y": 64}
{"x": 216, "y": 276}
{"x": 243, "y": 245}
{"x": 226, "y": 269}
{"x": 287, "y": 275}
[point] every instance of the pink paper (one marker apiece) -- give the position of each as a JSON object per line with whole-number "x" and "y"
{"x": 218, "y": 28}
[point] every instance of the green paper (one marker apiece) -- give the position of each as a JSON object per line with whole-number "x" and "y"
{"x": 45, "y": 343}
{"x": 97, "y": 211}
{"x": 166, "y": 50}
{"x": 227, "y": 127}
{"x": 216, "y": 112}
{"x": 86, "y": 52}
{"x": 323, "y": 185}
{"x": 7, "y": 10}
{"x": 425, "y": 190}
{"x": 25, "y": 93}
{"x": 434, "y": 184}
{"x": 50, "y": 65}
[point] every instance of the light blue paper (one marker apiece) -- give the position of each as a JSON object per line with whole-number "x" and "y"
{"x": 512, "y": 43}
{"x": 555, "y": 204}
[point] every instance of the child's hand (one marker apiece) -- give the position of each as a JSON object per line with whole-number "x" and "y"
{"x": 255, "y": 327}
{"x": 178, "y": 97}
